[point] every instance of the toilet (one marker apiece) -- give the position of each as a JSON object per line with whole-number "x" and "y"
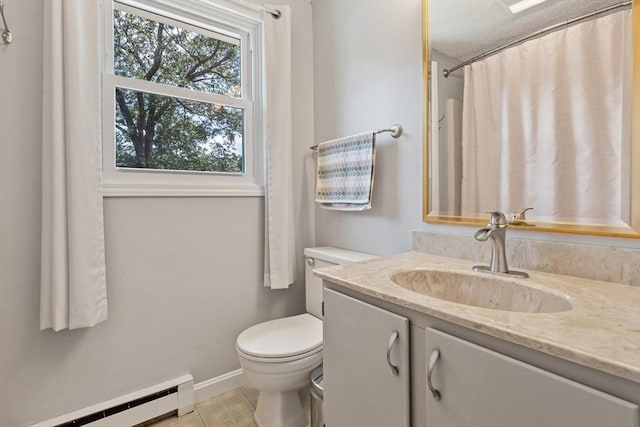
{"x": 277, "y": 356}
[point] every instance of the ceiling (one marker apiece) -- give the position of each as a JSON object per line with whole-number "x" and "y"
{"x": 463, "y": 29}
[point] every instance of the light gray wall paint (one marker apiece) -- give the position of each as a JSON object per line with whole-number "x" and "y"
{"x": 184, "y": 274}
{"x": 303, "y": 116}
{"x": 368, "y": 74}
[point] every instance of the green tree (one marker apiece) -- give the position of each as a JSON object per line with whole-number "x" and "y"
{"x": 162, "y": 132}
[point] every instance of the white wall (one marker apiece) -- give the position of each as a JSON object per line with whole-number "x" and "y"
{"x": 368, "y": 74}
{"x": 184, "y": 274}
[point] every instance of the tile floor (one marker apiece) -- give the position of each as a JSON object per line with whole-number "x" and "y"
{"x": 232, "y": 409}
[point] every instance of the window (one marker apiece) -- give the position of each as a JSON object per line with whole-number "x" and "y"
{"x": 180, "y": 96}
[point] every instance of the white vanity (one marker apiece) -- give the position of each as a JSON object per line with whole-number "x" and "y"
{"x": 551, "y": 350}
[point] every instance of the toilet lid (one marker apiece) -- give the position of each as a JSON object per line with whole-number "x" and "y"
{"x": 286, "y": 337}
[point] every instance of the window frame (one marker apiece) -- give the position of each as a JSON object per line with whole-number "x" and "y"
{"x": 241, "y": 23}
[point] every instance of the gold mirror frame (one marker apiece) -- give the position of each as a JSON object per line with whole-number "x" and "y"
{"x": 576, "y": 228}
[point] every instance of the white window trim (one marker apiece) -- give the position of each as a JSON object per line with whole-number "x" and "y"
{"x": 236, "y": 21}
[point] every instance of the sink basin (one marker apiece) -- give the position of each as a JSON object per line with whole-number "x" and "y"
{"x": 481, "y": 290}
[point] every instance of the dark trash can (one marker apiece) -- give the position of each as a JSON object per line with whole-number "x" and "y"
{"x": 317, "y": 396}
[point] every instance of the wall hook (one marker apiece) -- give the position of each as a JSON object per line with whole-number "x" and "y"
{"x": 6, "y": 34}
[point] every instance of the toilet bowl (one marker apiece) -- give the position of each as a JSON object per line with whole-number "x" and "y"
{"x": 277, "y": 356}
{"x": 279, "y": 367}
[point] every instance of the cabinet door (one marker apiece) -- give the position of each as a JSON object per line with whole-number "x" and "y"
{"x": 360, "y": 387}
{"x": 482, "y": 388}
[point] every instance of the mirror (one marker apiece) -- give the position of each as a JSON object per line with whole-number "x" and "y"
{"x": 536, "y": 109}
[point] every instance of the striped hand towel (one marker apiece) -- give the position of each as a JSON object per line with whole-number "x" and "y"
{"x": 345, "y": 172}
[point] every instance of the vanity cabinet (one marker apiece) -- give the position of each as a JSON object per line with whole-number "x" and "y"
{"x": 482, "y": 388}
{"x": 484, "y": 381}
{"x": 366, "y": 364}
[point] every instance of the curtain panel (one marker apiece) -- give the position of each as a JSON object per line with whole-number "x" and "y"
{"x": 279, "y": 264}
{"x": 73, "y": 277}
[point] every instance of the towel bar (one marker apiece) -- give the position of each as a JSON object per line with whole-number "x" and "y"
{"x": 396, "y": 131}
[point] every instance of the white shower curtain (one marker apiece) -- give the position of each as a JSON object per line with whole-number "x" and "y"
{"x": 547, "y": 125}
{"x": 279, "y": 263}
{"x": 73, "y": 282}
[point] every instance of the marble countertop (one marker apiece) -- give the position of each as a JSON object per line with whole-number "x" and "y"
{"x": 601, "y": 331}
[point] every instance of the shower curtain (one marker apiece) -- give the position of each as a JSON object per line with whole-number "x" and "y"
{"x": 547, "y": 125}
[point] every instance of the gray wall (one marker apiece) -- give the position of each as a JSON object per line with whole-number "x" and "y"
{"x": 184, "y": 274}
{"x": 368, "y": 75}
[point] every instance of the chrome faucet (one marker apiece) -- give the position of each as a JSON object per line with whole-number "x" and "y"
{"x": 496, "y": 232}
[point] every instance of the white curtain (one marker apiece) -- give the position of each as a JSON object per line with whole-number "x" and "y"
{"x": 547, "y": 125}
{"x": 73, "y": 282}
{"x": 279, "y": 264}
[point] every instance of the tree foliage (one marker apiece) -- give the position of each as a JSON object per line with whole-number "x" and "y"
{"x": 163, "y": 132}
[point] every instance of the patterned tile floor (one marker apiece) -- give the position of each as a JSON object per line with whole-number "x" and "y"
{"x": 232, "y": 409}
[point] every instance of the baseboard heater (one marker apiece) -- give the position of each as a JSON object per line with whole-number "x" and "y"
{"x": 133, "y": 408}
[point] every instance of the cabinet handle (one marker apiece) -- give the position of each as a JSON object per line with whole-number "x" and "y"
{"x": 392, "y": 341}
{"x": 432, "y": 362}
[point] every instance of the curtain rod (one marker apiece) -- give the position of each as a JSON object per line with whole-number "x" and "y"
{"x": 6, "y": 34}
{"x": 447, "y": 71}
{"x": 248, "y": 4}
{"x": 274, "y": 12}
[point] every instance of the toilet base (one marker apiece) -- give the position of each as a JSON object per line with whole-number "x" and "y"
{"x": 281, "y": 409}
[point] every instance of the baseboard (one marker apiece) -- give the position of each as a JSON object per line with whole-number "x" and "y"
{"x": 132, "y": 408}
{"x": 187, "y": 394}
{"x": 213, "y": 387}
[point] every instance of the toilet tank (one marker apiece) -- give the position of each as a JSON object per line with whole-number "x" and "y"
{"x": 320, "y": 257}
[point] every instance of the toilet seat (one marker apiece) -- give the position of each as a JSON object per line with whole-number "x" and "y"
{"x": 281, "y": 340}
{"x": 269, "y": 360}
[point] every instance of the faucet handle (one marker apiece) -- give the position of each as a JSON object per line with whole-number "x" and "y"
{"x": 497, "y": 218}
{"x": 519, "y": 217}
